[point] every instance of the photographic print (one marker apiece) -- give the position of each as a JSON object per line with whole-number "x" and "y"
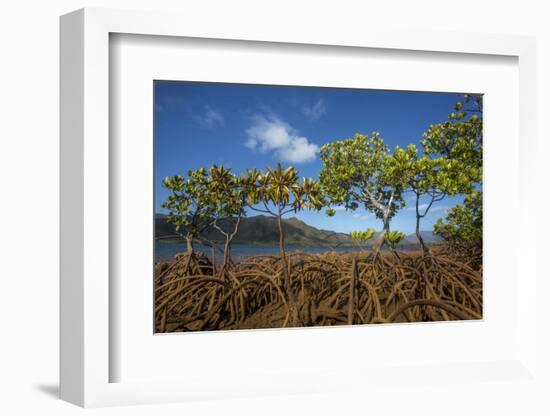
{"x": 290, "y": 206}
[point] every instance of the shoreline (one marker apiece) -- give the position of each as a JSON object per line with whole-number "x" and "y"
{"x": 168, "y": 252}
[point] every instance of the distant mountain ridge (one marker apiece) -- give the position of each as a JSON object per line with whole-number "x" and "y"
{"x": 263, "y": 229}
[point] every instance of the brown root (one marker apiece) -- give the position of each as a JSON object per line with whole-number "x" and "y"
{"x": 328, "y": 288}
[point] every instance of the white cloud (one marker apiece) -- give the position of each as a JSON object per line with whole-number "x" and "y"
{"x": 211, "y": 118}
{"x": 315, "y": 111}
{"x": 339, "y": 208}
{"x": 272, "y": 134}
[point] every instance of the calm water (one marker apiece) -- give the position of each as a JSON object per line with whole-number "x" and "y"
{"x": 167, "y": 251}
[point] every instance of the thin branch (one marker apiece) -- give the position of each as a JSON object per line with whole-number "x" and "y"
{"x": 267, "y": 208}
{"x": 434, "y": 199}
{"x": 373, "y": 200}
{"x": 262, "y": 210}
{"x": 217, "y": 227}
{"x": 288, "y": 211}
{"x": 236, "y": 228}
{"x": 391, "y": 197}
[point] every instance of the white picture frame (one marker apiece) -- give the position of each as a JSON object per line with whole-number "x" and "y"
{"x": 85, "y": 353}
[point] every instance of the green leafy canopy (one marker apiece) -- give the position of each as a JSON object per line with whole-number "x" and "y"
{"x": 188, "y": 203}
{"x": 393, "y": 238}
{"x": 361, "y": 237}
{"x": 280, "y": 188}
{"x": 358, "y": 172}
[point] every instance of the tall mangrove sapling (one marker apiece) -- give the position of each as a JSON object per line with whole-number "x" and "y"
{"x": 356, "y": 172}
{"x": 430, "y": 179}
{"x": 227, "y": 200}
{"x": 187, "y": 205}
{"x": 460, "y": 138}
{"x": 278, "y": 192}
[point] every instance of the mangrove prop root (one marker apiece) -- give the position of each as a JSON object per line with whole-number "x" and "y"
{"x": 330, "y": 289}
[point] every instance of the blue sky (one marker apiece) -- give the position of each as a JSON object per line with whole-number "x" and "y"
{"x": 247, "y": 126}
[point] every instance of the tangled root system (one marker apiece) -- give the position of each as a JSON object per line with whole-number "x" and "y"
{"x": 330, "y": 289}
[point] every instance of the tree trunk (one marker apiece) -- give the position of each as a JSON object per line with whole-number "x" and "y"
{"x": 213, "y": 258}
{"x": 291, "y": 299}
{"x": 418, "y": 235}
{"x": 226, "y": 250}
{"x": 189, "y": 240}
{"x": 382, "y": 237}
{"x": 227, "y": 246}
{"x": 190, "y": 253}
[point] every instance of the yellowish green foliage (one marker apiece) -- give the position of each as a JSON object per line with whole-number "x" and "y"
{"x": 279, "y": 191}
{"x": 188, "y": 204}
{"x": 360, "y": 172}
{"x": 460, "y": 138}
{"x": 393, "y": 238}
{"x": 361, "y": 237}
